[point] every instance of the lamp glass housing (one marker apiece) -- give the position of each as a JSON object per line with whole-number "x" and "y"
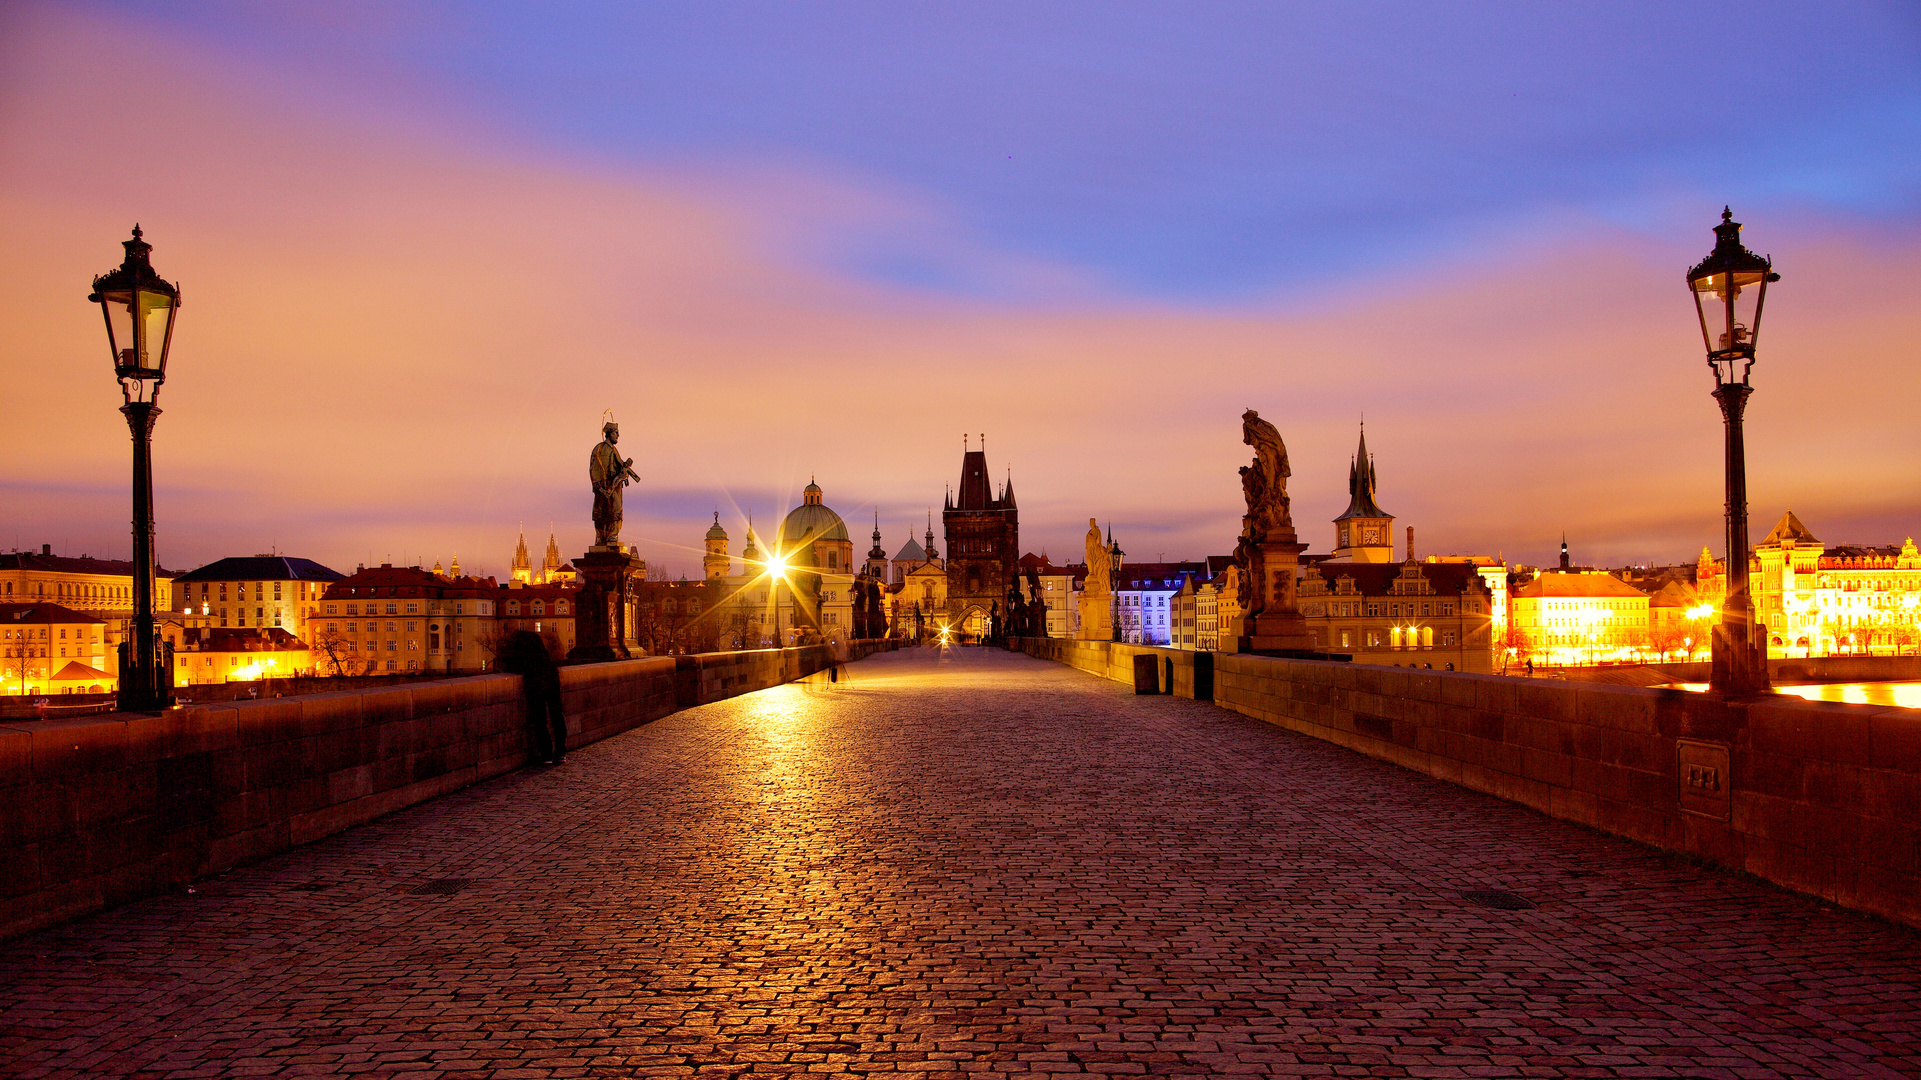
{"x": 139, "y": 308}
{"x": 1730, "y": 287}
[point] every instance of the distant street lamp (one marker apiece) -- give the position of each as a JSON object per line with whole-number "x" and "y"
{"x": 1729, "y": 288}
{"x": 139, "y": 309}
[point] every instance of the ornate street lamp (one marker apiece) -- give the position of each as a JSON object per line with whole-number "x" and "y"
{"x": 139, "y": 308}
{"x": 1729, "y": 287}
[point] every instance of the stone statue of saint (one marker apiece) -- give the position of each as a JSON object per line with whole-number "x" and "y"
{"x": 1264, "y": 482}
{"x": 609, "y": 473}
{"x": 1099, "y": 563}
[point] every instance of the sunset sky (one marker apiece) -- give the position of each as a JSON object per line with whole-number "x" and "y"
{"x": 423, "y": 246}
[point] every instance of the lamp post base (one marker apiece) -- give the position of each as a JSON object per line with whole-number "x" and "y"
{"x": 1738, "y": 666}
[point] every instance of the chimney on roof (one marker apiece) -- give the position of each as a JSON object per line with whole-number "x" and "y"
{"x": 1410, "y": 543}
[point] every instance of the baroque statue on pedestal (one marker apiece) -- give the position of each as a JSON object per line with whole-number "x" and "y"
{"x": 609, "y": 473}
{"x": 1099, "y": 562}
{"x": 1268, "y": 517}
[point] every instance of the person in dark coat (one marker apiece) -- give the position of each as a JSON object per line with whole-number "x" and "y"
{"x": 525, "y": 655}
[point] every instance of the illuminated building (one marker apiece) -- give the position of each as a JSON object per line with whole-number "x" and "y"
{"x": 233, "y": 654}
{"x": 264, "y": 590}
{"x": 1817, "y": 599}
{"x": 1360, "y": 602}
{"x": 522, "y": 569}
{"x": 48, "y": 648}
{"x": 403, "y": 619}
{"x": 716, "y": 564}
{"x": 983, "y": 546}
{"x": 546, "y": 610}
{"x": 819, "y": 556}
{"x": 1364, "y": 532}
{"x": 1579, "y": 617}
{"x": 1411, "y": 614}
{"x": 100, "y": 588}
{"x": 1060, "y": 591}
{"x": 1144, "y": 595}
{"x": 801, "y": 585}
{"x": 919, "y": 591}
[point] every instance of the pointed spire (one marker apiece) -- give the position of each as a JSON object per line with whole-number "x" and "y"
{"x": 523, "y": 568}
{"x": 1362, "y": 484}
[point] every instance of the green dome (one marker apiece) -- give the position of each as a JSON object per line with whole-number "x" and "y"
{"x": 716, "y": 532}
{"x": 810, "y": 522}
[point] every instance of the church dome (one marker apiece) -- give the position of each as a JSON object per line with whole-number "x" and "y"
{"x": 811, "y": 521}
{"x": 715, "y": 532}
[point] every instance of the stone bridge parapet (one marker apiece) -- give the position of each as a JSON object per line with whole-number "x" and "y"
{"x": 99, "y": 810}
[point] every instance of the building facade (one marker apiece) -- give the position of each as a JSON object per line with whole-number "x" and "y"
{"x": 1144, "y": 596}
{"x": 257, "y": 591}
{"x": 1817, "y": 599}
{"x": 1060, "y": 592}
{"x": 1409, "y": 614}
{"x": 48, "y": 648}
{"x": 402, "y": 619}
{"x": 1579, "y": 617}
{"x": 232, "y": 654}
{"x": 98, "y": 588}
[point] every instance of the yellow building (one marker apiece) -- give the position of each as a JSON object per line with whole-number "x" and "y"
{"x": 1580, "y": 617}
{"x": 52, "y": 649}
{"x": 401, "y": 619}
{"x": 261, "y": 591}
{"x": 920, "y": 589}
{"x": 1412, "y": 614}
{"x": 231, "y": 654}
{"x": 100, "y": 588}
{"x": 1817, "y": 600}
{"x": 802, "y": 584}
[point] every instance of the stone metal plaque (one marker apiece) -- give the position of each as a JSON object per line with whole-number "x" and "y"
{"x": 1702, "y": 771}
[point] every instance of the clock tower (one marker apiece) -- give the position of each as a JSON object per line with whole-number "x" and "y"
{"x": 1365, "y": 532}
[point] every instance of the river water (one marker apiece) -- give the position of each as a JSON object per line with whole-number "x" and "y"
{"x": 1905, "y": 694}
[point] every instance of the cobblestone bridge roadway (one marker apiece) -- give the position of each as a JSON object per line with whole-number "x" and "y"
{"x": 971, "y": 862}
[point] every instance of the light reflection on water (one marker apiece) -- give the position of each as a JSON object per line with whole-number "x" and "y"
{"x": 1906, "y": 695}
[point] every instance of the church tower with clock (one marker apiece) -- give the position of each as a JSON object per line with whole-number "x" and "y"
{"x": 1364, "y": 532}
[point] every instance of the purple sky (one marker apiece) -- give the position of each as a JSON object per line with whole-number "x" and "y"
{"x": 423, "y": 247}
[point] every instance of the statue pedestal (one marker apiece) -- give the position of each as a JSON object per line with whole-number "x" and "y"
{"x": 1274, "y": 622}
{"x": 602, "y": 619}
{"x": 1097, "y": 617}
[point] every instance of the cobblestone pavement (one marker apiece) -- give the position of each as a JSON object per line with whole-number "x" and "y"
{"x": 974, "y": 862}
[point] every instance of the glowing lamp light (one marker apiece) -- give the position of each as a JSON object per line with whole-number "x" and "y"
{"x": 1701, "y": 612}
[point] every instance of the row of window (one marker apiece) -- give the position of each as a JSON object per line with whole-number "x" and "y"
{"x": 240, "y": 590}
{"x": 484, "y": 607}
{"x": 76, "y": 591}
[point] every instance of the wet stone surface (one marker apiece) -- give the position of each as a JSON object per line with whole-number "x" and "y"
{"x": 978, "y": 863}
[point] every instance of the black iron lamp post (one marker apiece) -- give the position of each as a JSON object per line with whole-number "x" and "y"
{"x": 139, "y": 308}
{"x": 1114, "y": 556}
{"x": 1729, "y": 287}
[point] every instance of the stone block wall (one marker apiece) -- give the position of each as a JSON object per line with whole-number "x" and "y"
{"x": 99, "y": 810}
{"x": 1823, "y": 798}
